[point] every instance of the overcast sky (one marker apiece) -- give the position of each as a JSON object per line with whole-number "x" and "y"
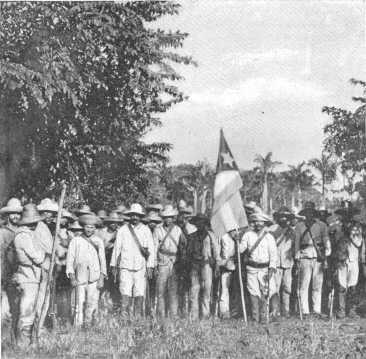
{"x": 265, "y": 71}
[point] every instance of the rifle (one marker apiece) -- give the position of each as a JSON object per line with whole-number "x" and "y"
{"x": 298, "y": 290}
{"x": 331, "y": 299}
{"x": 76, "y": 314}
{"x": 267, "y": 302}
{"x": 241, "y": 283}
{"x": 53, "y": 306}
{"x": 54, "y": 247}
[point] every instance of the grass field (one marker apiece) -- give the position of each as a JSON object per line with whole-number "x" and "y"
{"x": 214, "y": 338}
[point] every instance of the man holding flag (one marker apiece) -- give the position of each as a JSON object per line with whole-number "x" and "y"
{"x": 228, "y": 212}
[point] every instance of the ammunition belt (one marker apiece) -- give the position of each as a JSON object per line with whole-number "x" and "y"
{"x": 257, "y": 265}
{"x": 308, "y": 245}
{"x": 167, "y": 253}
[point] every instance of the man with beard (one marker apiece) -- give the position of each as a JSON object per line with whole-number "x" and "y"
{"x": 12, "y": 213}
{"x": 312, "y": 247}
{"x": 347, "y": 240}
{"x": 261, "y": 253}
{"x": 133, "y": 256}
{"x": 86, "y": 268}
{"x": 203, "y": 255}
{"x": 284, "y": 236}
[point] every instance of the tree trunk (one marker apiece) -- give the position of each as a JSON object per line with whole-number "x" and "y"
{"x": 270, "y": 206}
{"x": 195, "y": 195}
{"x": 300, "y": 199}
{"x": 293, "y": 199}
{"x": 265, "y": 195}
{"x": 323, "y": 189}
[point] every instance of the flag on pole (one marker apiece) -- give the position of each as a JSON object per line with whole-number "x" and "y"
{"x": 228, "y": 210}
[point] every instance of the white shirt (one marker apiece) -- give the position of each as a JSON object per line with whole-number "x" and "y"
{"x": 266, "y": 251}
{"x": 228, "y": 254}
{"x": 84, "y": 261}
{"x": 126, "y": 254}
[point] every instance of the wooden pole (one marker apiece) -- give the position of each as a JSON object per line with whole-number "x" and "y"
{"x": 241, "y": 283}
{"x": 54, "y": 247}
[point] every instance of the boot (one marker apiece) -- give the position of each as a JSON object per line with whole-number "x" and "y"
{"x": 351, "y": 302}
{"x": 255, "y": 308}
{"x": 341, "y": 313}
{"x": 263, "y": 310}
{"x": 125, "y": 305}
{"x": 138, "y": 304}
{"x": 276, "y": 312}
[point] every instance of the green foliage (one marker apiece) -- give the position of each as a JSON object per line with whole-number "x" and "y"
{"x": 88, "y": 80}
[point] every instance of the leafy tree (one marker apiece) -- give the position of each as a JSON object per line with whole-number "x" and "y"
{"x": 81, "y": 84}
{"x": 266, "y": 165}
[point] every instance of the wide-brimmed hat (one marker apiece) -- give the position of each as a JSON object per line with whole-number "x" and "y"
{"x": 200, "y": 218}
{"x": 84, "y": 209}
{"x": 120, "y": 209}
{"x": 309, "y": 207}
{"x": 168, "y": 211}
{"x": 154, "y": 208}
{"x": 296, "y": 211}
{"x": 260, "y": 216}
{"x": 182, "y": 208}
{"x": 47, "y": 205}
{"x": 13, "y": 206}
{"x": 30, "y": 215}
{"x": 283, "y": 212}
{"x": 347, "y": 209}
{"x": 152, "y": 217}
{"x": 102, "y": 214}
{"x": 323, "y": 211}
{"x": 90, "y": 219}
{"x": 114, "y": 217}
{"x": 75, "y": 226}
{"x": 66, "y": 214}
{"x": 250, "y": 204}
{"x": 135, "y": 209}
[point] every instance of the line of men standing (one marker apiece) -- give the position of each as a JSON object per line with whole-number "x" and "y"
{"x": 171, "y": 258}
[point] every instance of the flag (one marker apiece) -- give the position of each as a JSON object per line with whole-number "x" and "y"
{"x": 228, "y": 210}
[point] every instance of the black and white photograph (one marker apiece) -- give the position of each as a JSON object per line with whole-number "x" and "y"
{"x": 183, "y": 179}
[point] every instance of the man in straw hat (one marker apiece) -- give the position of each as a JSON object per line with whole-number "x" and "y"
{"x": 346, "y": 236}
{"x": 261, "y": 253}
{"x": 86, "y": 268}
{"x": 170, "y": 246}
{"x": 284, "y": 236}
{"x": 312, "y": 247}
{"x": 133, "y": 255}
{"x": 324, "y": 214}
{"x": 82, "y": 210}
{"x": 31, "y": 260}
{"x": 203, "y": 255}
{"x": 12, "y": 213}
{"x": 184, "y": 215}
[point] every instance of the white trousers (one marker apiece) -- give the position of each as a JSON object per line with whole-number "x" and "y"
{"x": 348, "y": 274}
{"x": 256, "y": 284}
{"x": 86, "y": 295}
{"x": 132, "y": 283}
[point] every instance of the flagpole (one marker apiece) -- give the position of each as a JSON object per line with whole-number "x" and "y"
{"x": 241, "y": 282}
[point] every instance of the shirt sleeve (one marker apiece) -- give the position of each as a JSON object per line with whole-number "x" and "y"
{"x": 190, "y": 247}
{"x": 70, "y": 258}
{"x": 243, "y": 243}
{"x": 326, "y": 240}
{"x": 272, "y": 248}
{"x": 182, "y": 245}
{"x": 297, "y": 242}
{"x": 151, "y": 247}
{"x": 37, "y": 257}
{"x": 102, "y": 260}
{"x": 117, "y": 248}
{"x": 224, "y": 245}
{"x": 156, "y": 245}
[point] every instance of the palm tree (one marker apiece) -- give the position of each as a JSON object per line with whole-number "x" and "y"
{"x": 327, "y": 168}
{"x": 297, "y": 179}
{"x": 266, "y": 165}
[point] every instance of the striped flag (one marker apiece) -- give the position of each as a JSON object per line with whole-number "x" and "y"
{"x": 228, "y": 210}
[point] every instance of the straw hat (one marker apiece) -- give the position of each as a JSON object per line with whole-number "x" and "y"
{"x": 67, "y": 214}
{"x": 152, "y": 217}
{"x": 30, "y": 215}
{"x": 13, "y": 206}
{"x": 200, "y": 218}
{"x": 47, "y": 205}
{"x": 250, "y": 205}
{"x": 154, "y": 207}
{"x": 120, "y": 209}
{"x": 135, "y": 209}
{"x": 168, "y": 211}
{"x": 114, "y": 217}
{"x": 309, "y": 207}
{"x": 84, "y": 209}
{"x": 75, "y": 226}
{"x": 102, "y": 214}
{"x": 90, "y": 219}
{"x": 182, "y": 207}
{"x": 324, "y": 211}
{"x": 284, "y": 212}
{"x": 347, "y": 209}
{"x": 260, "y": 217}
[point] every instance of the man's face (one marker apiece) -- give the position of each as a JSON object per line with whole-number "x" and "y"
{"x": 135, "y": 219}
{"x": 309, "y": 215}
{"x": 112, "y": 226}
{"x": 89, "y": 230}
{"x": 14, "y": 218}
{"x": 180, "y": 219}
{"x": 347, "y": 220}
{"x": 258, "y": 225}
{"x": 152, "y": 225}
{"x": 249, "y": 211}
{"x": 48, "y": 217}
{"x": 64, "y": 222}
{"x": 32, "y": 226}
{"x": 201, "y": 226}
{"x": 168, "y": 221}
{"x": 283, "y": 221}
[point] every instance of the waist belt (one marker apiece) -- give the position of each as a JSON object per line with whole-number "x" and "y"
{"x": 257, "y": 265}
{"x": 167, "y": 253}
{"x": 308, "y": 245}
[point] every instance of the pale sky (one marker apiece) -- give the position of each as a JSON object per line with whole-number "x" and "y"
{"x": 265, "y": 71}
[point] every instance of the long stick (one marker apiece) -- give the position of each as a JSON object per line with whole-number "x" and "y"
{"x": 54, "y": 247}
{"x": 241, "y": 283}
{"x": 298, "y": 290}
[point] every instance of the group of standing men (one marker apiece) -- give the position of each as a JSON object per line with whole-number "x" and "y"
{"x": 164, "y": 262}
